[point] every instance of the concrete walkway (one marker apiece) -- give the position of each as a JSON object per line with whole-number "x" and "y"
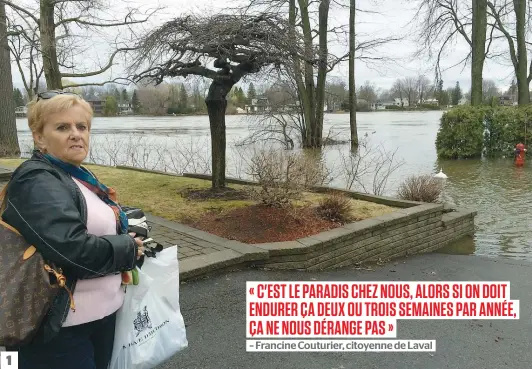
{"x": 214, "y": 311}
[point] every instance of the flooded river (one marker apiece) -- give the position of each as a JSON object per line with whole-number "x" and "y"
{"x": 499, "y": 192}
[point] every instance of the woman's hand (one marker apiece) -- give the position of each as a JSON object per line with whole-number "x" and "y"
{"x": 140, "y": 251}
{"x": 138, "y": 241}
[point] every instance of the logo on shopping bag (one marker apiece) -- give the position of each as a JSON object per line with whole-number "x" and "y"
{"x": 142, "y": 321}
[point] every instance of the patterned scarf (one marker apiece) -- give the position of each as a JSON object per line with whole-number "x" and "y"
{"x": 106, "y": 194}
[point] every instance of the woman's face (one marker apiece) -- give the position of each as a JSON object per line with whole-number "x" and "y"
{"x": 65, "y": 135}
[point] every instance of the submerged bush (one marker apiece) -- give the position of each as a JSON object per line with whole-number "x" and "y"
{"x": 505, "y": 127}
{"x": 470, "y": 131}
{"x": 461, "y": 133}
{"x": 424, "y": 188}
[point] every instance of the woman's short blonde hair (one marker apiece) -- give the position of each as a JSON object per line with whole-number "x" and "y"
{"x": 38, "y": 111}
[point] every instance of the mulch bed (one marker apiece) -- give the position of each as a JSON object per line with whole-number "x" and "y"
{"x": 261, "y": 224}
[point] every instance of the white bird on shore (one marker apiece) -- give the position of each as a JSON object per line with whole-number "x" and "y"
{"x": 441, "y": 174}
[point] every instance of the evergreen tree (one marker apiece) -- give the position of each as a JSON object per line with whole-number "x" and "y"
{"x": 444, "y": 98}
{"x": 117, "y": 96}
{"x": 241, "y": 97}
{"x": 18, "y": 98}
{"x": 135, "y": 103}
{"x": 252, "y": 94}
{"x": 438, "y": 92}
{"x": 125, "y": 96}
{"x": 183, "y": 99}
{"x": 456, "y": 95}
{"x": 91, "y": 93}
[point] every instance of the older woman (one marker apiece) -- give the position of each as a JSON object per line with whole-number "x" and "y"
{"x": 75, "y": 223}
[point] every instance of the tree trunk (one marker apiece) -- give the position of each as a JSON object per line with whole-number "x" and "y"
{"x": 8, "y": 125}
{"x": 478, "y": 41}
{"x": 352, "y": 88}
{"x": 48, "y": 46}
{"x": 296, "y": 72}
{"x": 216, "y": 105}
{"x": 322, "y": 72}
{"x": 310, "y": 108}
{"x": 522, "y": 64}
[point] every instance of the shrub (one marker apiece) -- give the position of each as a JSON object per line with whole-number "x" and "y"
{"x": 505, "y": 127}
{"x": 394, "y": 107}
{"x": 469, "y": 131}
{"x": 283, "y": 176}
{"x": 335, "y": 208}
{"x": 423, "y": 188}
{"x": 461, "y": 133}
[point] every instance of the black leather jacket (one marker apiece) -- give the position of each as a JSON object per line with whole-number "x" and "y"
{"x": 46, "y": 206}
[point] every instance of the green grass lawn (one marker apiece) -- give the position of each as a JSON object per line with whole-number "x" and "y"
{"x": 160, "y": 194}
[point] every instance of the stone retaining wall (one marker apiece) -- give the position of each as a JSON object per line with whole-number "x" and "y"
{"x": 418, "y": 229}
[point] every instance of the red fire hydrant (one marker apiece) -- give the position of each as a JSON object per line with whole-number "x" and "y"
{"x": 519, "y": 155}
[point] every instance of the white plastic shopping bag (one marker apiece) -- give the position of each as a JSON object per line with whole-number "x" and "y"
{"x": 149, "y": 325}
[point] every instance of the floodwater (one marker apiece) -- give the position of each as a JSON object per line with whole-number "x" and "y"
{"x": 498, "y": 191}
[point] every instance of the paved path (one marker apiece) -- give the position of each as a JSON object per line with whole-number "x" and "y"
{"x": 170, "y": 233}
{"x": 215, "y": 314}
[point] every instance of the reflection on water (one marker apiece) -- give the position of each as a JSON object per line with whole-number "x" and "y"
{"x": 463, "y": 246}
{"x": 498, "y": 191}
{"x": 501, "y": 194}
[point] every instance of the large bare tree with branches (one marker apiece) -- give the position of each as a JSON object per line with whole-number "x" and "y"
{"x": 23, "y": 41}
{"x": 509, "y": 17}
{"x": 55, "y": 30}
{"x": 444, "y": 22}
{"x": 222, "y": 48}
{"x": 8, "y": 129}
{"x": 312, "y": 19}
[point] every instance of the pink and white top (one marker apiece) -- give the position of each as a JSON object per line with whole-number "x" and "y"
{"x": 99, "y": 297}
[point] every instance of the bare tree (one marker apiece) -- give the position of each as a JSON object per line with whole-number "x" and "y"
{"x": 24, "y": 45}
{"x": 423, "y": 88}
{"x": 336, "y": 94}
{"x": 368, "y": 168}
{"x": 506, "y": 15}
{"x": 398, "y": 90}
{"x": 489, "y": 90}
{"x": 58, "y": 22}
{"x": 410, "y": 89}
{"x": 8, "y": 128}
{"x": 445, "y": 21}
{"x": 312, "y": 20}
{"x": 237, "y": 45}
{"x": 281, "y": 122}
{"x": 368, "y": 92}
{"x": 352, "y": 88}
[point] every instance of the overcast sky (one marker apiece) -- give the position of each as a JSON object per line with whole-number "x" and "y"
{"x": 395, "y": 19}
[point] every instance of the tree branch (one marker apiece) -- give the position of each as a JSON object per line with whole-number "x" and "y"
{"x": 116, "y": 80}
{"x": 501, "y": 28}
{"x": 109, "y": 65}
{"x": 20, "y": 9}
{"x": 88, "y": 23}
